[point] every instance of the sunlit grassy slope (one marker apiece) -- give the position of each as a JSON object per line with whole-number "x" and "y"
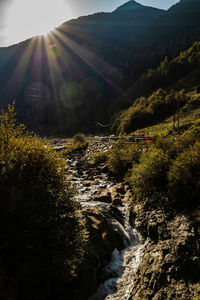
{"x": 165, "y": 127}
{"x": 188, "y": 114}
{"x": 158, "y": 92}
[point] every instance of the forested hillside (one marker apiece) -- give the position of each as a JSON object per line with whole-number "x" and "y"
{"x": 172, "y": 82}
{"x": 78, "y": 75}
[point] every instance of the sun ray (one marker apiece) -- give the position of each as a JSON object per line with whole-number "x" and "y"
{"x": 55, "y": 76}
{"x": 18, "y": 74}
{"x": 100, "y": 66}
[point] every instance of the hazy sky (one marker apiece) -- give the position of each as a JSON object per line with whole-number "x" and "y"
{"x": 165, "y": 4}
{"x": 21, "y": 19}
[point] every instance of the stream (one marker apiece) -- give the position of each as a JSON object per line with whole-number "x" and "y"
{"x": 123, "y": 264}
{"x": 143, "y": 269}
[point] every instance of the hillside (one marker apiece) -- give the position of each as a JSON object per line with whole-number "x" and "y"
{"x": 181, "y": 18}
{"x": 173, "y": 83}
{"x": 82, "y": 55}
{"x": 69, "y": 79}
{"x": 122, "y": 26}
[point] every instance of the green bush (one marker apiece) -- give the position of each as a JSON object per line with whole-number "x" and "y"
{"x": 188, "y": 138}
{"x": 79, "y": 142}
{"x": 149, "y": 177}
{"x": 148, "y": 111}
{"x": 184, "y": 178}
{"x": 122, "y": 156}
{"x": 100, "y": 157}
{"x": 170, "y": 169}
{"x": 167, "y": 145}
{"x": 41, "y": 236}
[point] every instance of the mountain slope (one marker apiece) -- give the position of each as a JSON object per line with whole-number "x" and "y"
{"x": 77, "y": 66}
{"x": 122, "y": 26}
{"x": 174, "y": 82}
{"x": 181, "y": 18}
{"x": 128, "y": 6}
{"x": 67, "y": 80}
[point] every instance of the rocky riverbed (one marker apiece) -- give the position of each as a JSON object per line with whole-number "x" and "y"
{"x": 136, "y": 251}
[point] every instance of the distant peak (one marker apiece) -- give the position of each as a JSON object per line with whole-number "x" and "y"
{"x": 130, "y": 5}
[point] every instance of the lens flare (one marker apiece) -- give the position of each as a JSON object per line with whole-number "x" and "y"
{"x": 54, "y": 50}
{"x": 72, "y": 90}
{"x": 37, "y": 95}
{"x": 71, "y": 95}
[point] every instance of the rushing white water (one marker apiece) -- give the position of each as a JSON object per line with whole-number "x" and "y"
{"x": 123, "y": 266}
{"x": 122, "y": 269}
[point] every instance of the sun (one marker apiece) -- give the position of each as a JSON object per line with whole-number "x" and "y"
{"x": 27, "y": 18}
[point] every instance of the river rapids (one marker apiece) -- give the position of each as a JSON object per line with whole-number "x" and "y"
{"x": 124, "y": 264}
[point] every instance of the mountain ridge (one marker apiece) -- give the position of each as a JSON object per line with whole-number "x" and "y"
{"x": 97, "y": 57}
{"x": 130, "y": 5}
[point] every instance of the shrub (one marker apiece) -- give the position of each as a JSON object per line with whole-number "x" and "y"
{"x": 184, "y": 178}
{"x": 149, "y": 177}
{"x": 100, "y": 157}
{"x": 122, "y": 156}
{"x": 167, "y": 145}
{"x": 41, "y": 236}
{"x": 79, "y": 142}
{"x": 117, "y": 162}
{"x": 188, "y": 138}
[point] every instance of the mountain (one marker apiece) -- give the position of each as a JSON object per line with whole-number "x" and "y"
{"x": 69, "y": 79}
{"x": 128, "y": 6}
{"x": 181, "y": 19}
{"x": 121, "y": 27}
{"x": 174, "y": 31}
{"x": 79, "y": 68}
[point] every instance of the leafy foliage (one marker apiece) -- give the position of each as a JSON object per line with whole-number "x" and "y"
{"x": 100, "y": 157}
{"x": 149, "y": 176}
{"x": 79, "y": 142}
{"x": 165, "y": 172}
{"x": 121, "y": 157}
{"x": 184, "y": 178}
{"x": 41, "y": 235}
{"x": 188, "y": 138}
{"x": 170, "y": 71}
{"x": 148, "y": 111}
{"x": 162, "y": 77}
{"x": 169, "y": 169}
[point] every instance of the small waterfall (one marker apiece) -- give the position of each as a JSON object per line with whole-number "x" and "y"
{"x": 121, "y": 270}
{"x": 123, "y": 265}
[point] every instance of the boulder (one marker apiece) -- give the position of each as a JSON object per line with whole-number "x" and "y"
{"x": 171, "y": 259}
{"x": 104, "y": 196}
{"x": 117, "y": 214}
{"x": 102, "y": 240}
{"x": 115, "y": 194}
{"x": 88, "y": 182}
{"x": 101, "y": 233}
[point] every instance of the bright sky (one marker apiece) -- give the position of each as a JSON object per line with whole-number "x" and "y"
{"x": 26, "y": 18}
{"x": 164, "y": 4}
{"x": 22, "y": 19}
